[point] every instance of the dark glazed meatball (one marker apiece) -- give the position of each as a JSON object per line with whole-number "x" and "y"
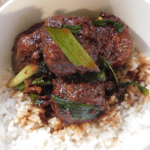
{"x": 57, "y": 62}
{"x": 116, "y": 47}
{"x": 27, "y": 47}
{"x": 77, "y": 91}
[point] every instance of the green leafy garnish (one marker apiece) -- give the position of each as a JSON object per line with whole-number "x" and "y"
{"x": 24, "y": 74}
{"x": 73, "y": 28}
{"x": 41, "y": 82}
{"x": 34, "y": 98}
{"x": 72, "y": 48}
{"x": 36, "y": 81}
{"x": 94, "y": 76}
{"x": 20, "y": 87}
{"x": 104, "y": 64}
{"x": 77, "y": 110}
{"x": 141, "y": 88}
{"x": 119, "y": 27}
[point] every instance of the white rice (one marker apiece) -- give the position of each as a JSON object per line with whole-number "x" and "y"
{"x": 126, "y": 128}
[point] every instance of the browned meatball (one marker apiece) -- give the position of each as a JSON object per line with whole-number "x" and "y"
{"x": 77, "y": 91}
{"x": 116, "y": 47}
{"x": 57, "y": 62}
{"x": 27, "y": 47}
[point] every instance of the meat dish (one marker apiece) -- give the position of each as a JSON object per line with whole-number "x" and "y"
{"x": 75, "y": 94}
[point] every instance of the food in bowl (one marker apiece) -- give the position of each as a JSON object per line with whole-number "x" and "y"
{"x": 96, "y": 88}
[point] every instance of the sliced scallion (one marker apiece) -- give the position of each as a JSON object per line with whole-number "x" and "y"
{"x": 119, "y": 27}
{"x": 38, "y": 81}
{"x": 94, "y": 76}
{"x": 24, "y": 74}
{"x": 77, "y": 110}
{"x": 102, "y": 62}
{"x": 34, "y": 98}
{"x": 73, "y": 28}
{"x": 141, "y": 88}
{"x": 72, "y": 48}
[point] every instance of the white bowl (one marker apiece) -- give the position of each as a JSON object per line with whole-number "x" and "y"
{"x": 18, "y": 15}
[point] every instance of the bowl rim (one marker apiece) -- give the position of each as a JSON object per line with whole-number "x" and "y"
{"x": 5, "y": 5}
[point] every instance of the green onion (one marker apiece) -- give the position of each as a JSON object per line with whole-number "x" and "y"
{"x": 73, "y": 28}
{"x": 72, "y": 48}
{"x": 105, "y": 22}
{"x": 24, "y": 74}
{"x": 34, "y": 98}
{"x": 38, "y": 81}
{"x": 94, "y": 76}
{"x": 104, "y": 64}
{"x": 77, "y": 110}
{"x": 141, "y": 88}
{"x": 20, "y": 87}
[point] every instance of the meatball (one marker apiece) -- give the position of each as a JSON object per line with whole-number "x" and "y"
{"x": 27, "y": 47}
{"x": 55, "y": 59}
{"x": 78, "y": 91}
{"x": 116, "y": 47}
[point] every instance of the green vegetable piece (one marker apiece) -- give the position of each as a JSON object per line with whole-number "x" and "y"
{"x": 141, "y": 88}
{"x": 72, "y": 48}
{"x": 36, "y": 81}
{"x": 77, "y": 110}
{"x": 105, "y": 22}
{"x": 104, "y": 64}
{"x": 24, "y": 74}
{"x": 19, "y": 87}
{"x": 34, "y": 98}
{"x": 41, "y": 82}
{"x": 73, "y": 28}
{"x": 94, "y": 76}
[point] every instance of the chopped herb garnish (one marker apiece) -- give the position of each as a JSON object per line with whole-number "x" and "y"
{"x": 20, "y": 87}
{"x": 94, "y": 76}
{"x": 34, "y": 98}
{"x": 73, "y": 28}
{"x": 119, "y": 27}
{"x": 36, "y": 81}
{"x": 72, "y": 48}
{"x": 141, "y": 88}
{"x": 77, "y": 110}
{"x": 40, "y": 81}
{"x": 104, "y": 64}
